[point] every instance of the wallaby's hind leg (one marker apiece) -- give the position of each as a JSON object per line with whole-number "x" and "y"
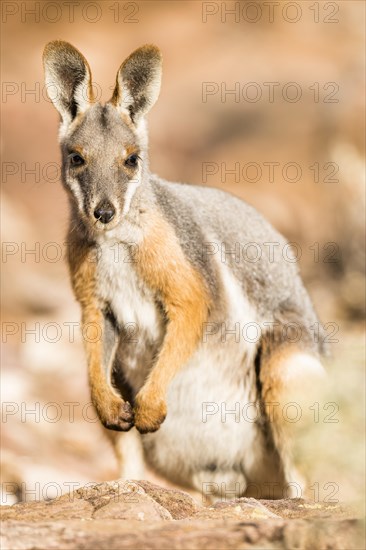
{"x": 127, "y": 446}
{"x": 128, "y": 449}
{"x": 219, "y": 485}
{"x": 288, "y": 377}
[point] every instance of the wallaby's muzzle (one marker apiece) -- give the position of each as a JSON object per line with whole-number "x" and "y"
{"x": 104, "y": 212}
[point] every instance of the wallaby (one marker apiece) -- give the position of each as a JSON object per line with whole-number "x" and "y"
{"x": 195, "y": 270}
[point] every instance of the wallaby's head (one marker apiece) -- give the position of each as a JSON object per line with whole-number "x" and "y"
{"x": 104, "y": 147}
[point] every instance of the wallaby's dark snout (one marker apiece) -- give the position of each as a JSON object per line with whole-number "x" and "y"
{"x": 104, "y": 212}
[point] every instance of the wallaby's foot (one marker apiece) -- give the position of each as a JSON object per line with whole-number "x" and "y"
{"x": 150, "y": 411}
{"x": 116, "y": 415}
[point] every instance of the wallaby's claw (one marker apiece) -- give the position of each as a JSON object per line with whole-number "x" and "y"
{"x": 119, "y": 417}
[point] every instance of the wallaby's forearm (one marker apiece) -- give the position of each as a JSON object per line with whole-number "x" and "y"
{"x": 164, "y": 267}
{"x": 101, "y": 341}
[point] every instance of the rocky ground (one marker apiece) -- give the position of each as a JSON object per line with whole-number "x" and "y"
{"x": 121, "y": 515}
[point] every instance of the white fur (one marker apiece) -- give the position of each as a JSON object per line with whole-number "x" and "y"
{"x": 152, "y": 92}
{"x": 131, "y": 302}
{"x": 76, "y": 191}
{"x": 131, "y": 190}
{"x": 81, "y": 96}
{"x": 119, "y": 285}
{"x": 301, "y": 366}
{"x": 240, "y": 310}
{"x": 128, "y": 447}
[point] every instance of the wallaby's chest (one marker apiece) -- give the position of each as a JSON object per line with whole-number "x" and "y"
{"x": 119, "y": 285}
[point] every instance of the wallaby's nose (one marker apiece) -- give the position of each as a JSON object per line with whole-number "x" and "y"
{"x": 104, "y": 212}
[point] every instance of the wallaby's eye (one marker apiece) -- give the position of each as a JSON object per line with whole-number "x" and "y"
{"x": 76, "y": 159}
{"x": 132, "y": 160}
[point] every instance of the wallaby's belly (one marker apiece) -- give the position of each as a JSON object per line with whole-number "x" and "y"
{"x": 210, "y": 435}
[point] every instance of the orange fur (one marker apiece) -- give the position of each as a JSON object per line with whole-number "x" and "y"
{"x": 164, "y": 268}
{"x": 288, "y": 377}
{"x": 112, "y": 410}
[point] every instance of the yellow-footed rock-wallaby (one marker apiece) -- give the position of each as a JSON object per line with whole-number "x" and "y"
{"x": 171, "y": 277}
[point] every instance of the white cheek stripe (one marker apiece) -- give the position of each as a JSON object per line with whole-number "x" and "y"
{"x": 133, "y": 185}
{"x": 75, "y": 188}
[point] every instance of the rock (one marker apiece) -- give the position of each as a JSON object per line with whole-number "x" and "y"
{"x": 180, "y": 505}
{"x": 65, "y": 507}
{"x": 240, "y": 508}
{"x": 138, "y": 514}
{"x": 112, "y": 534}
{"x": 131, "y": 503}
{"x": 300, "y": 508}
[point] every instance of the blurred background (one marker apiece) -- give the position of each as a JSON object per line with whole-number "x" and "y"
{"x": 263, "y": 99}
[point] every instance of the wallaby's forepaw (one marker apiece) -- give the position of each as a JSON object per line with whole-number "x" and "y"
{"x": 149, "y": 411}
{"x": 117, "y": 416}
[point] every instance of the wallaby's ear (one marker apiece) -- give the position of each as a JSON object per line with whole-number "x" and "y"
{"x": 138, "y": 82}
{"x": 68, "y": 79}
